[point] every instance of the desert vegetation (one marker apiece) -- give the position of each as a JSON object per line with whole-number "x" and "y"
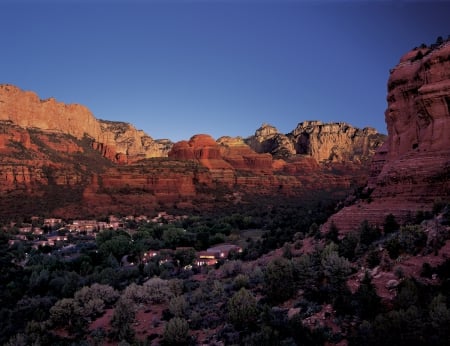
{"x": 291, "y": 285}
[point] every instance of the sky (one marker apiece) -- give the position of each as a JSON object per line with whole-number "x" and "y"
{"x": 221, "y": 67}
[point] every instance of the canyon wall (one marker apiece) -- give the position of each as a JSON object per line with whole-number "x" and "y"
{"x": 60, "y": 160}
{"x": 412, "y": 169}
{"x": 325, "y": 142}
{"x": 117, "y": 141}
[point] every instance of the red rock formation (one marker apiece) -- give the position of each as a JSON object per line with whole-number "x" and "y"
{"x": 52, "y": 163}
{"x": 117, "y": 141}
{"x": 267, "y": 139}
{"x": 242, "y": 157}
{"x": 333, "y": 142}
{"x": 336, "y": 142}
{"x": 412, "y": 169}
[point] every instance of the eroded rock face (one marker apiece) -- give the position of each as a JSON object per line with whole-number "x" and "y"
{"x": 119, "y": 142}
{"x": 325, "y": 142}
{"x": 58, "y": 160}
{"x": 227, "y": 153}
{"x": 336, "y": 142}
{"x": 412, "y": 169}
{"x": 267, "y": 139}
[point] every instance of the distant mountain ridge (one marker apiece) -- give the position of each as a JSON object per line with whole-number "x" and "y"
{"x": 59, "y": 159}
{"x": 122, "y": 142}
{"x": 325, "y": 142}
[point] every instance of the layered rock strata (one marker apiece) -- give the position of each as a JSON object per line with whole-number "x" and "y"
{"x": 412, "y": 169}
{"x": 117, "y": 141}
{"x": 58, "y": 159}
{"x": 325, "y": 142}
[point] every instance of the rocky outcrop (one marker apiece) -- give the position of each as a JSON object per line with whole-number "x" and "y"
{"x": 226, "y": 153}
{"x": 242, "y": 157}
{"x": 412, "y": 169}
{"x": 336, "y": 142}
{"x": 325, "y": 142}
{"x": 119, "y": 142}
{"x": 267, "y": 139}
{"x": 132, "y": 144}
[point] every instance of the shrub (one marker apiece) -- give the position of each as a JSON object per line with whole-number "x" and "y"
{"x": 122, "y": 318}
{"x": 390, "y": 224}
{"x": 348, "y": 245}
{"x": 279, "y": 280}
{"x": 412, "y": 239}
{"x": 178, "y": 306}
{"x": 176, "y": 332}
{"x": 336, "y": 269}
{"x": 368, "y": 234}
{"x": 242, "y": 308}
{"x": 373, "y": 259}
{"x": 240, "y": 281}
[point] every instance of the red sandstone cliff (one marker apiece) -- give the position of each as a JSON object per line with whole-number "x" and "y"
{"x": 58, "y": 159}
{"x": 117, "y": 141}
{"x": 412, "y": 169}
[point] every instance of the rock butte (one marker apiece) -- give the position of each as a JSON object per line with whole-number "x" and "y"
{"x": 412, "y": 169}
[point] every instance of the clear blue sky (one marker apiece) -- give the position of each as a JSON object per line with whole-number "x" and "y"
{"x": 178, "y": 68}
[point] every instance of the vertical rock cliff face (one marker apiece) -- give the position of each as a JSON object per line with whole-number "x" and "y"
{"x": 325, "y": 142}
{"x": 267, "y": 139}
{"x": 117, "y": 141}
{"x": 129, "y": 144}
{"x": 336, "y": 142}
{"x": 412, "y": 168}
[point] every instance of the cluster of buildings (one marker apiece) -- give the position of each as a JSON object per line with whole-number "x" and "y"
{"x": 209, "y": 257}
{"x": 55, "y": 231}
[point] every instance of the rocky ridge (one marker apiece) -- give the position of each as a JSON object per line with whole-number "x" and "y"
{"x": 412, "y": 169}
{"x": 118, "y": 141}
{"x": 325, "y": 142}
{"x": 59, "y": 159}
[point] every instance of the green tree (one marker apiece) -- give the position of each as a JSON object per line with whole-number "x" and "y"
{"x": 67, "y": 313}
{"x": 367, "y": 233}
{"x": 158, "y": 290}
{"x": 242, "y": 308}
{"x": 336, "y": 270}
{"x": 122, "y": 320}
{"x": 279, "y": 280}
{"x": 439, "y": 315}
{"x": 307, "y": 271}
{"x": 240, "y": 281}
{"x": 178, "y": 306}
{"x": 407, "y": 295}
{"x": 390, "y": 224}
{"x": 118, "y": 246}
{"x": 105, "y": 293}
{"x": 347, "y": 246}
{"x": 176, "y": 332}
{"x": 399, "y": 327}
{"x": 412, "y": 238}
{"x": 184, "y": 256}
{"x": 173, "y": 236}
{"x": 367, "y": 299}
{"x": 333, "y": 233}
